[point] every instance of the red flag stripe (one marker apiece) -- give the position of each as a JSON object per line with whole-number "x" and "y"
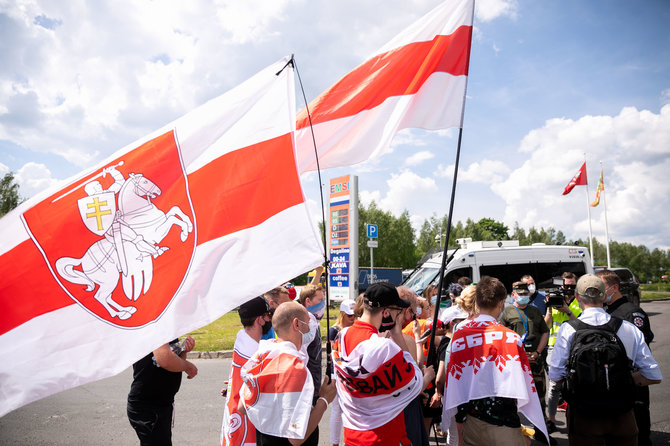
{"x": 399, "y": 72}
{"x": 259, "y": 181}
{"x": 27, "y": 271}
{"x": 252, "y": 195}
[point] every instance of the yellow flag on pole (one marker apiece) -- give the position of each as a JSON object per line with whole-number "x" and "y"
{"x": 601, "y": 187}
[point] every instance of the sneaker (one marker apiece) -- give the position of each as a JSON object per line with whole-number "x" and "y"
{"x": 563, "y": 407}
{"x": 551, "y": 427}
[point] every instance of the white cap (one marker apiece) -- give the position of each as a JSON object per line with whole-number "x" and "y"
{"x": 449, "y": 314}
{"x": 347, "y": 306}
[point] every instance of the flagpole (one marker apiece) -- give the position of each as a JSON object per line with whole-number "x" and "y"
{"x": 607, "y": 231}
{"x": 440, "y": 284}
{"x": 329, "y": 360}
{"x": 588, "y": 208}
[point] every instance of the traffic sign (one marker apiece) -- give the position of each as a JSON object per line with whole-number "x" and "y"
{"x": 373, "y": 244}
{"x": 372, "y": 231}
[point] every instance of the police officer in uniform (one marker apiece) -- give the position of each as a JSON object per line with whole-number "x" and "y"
{"x": 618, "y": 305}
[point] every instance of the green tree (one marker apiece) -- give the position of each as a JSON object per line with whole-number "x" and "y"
{"x": 397, "y": 247}
{"x": 9, "y": 194}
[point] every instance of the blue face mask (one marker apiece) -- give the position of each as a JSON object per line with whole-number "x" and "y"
{"x": 433, "y": 300}
{"x": 523, "y": 300}
{"x": 317, "y": 309}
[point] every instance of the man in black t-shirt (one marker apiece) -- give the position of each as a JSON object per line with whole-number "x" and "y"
{"x": 156, "y": 380}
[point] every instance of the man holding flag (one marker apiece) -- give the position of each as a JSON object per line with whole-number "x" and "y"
{"x": 376, "y": 375}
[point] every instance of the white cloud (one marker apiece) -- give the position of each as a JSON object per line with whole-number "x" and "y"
{"x": 367, "y": 197}
{"x": 634, "y": 148}
{"x": 3, "y": 170}
{"x": 34, "y": 178}
{"x": 419, "y": 157}
{"x": 484, "y": 172}
{"x": 404, "y": 188}
{"x": 665, "y": 96}
{"x": 487, "y": 10}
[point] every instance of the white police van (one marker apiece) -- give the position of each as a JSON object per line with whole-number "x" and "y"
{"x": 504, "y": 260}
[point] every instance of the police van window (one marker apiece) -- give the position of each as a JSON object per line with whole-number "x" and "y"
{"x": 421, "y": 278}
{"x": 541, "y": 272}
{"x": 455, "y": 274}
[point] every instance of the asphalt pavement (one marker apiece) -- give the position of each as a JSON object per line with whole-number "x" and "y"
{"x": 95, "y": 414}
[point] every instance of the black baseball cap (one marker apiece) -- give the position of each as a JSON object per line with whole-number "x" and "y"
{"x": 384, "y": 294}
{"x": 254, "y": 308}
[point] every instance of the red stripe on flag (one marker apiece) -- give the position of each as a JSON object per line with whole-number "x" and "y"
{"x": 28, "y": 289}
{"x": 236, "y": 191}
{"x": 282, "y": 374}
{"x": 242, "y": 189}
{"x": 399, "y": 72}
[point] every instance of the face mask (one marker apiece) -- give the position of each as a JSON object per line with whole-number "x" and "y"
{"x": 266, "y": 327}
{"x": 418, "y": 311}
{"x": 387, "y": 323}
{"x": 308, "y": 337}
{"x": 531, "y": 288}
{"x": 433, "y": 300}
{"x": 523, "y": 300}
{"x": 318, "y": 309}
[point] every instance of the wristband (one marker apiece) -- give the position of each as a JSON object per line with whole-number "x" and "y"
{"x": 324, "y": 400}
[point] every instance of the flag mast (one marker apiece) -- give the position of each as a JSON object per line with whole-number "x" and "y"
{"x": 329, "y": 359}
{"x": 588, "y": 208}
{"x": 440, "y": 284}
{"x": 607, "y": 231}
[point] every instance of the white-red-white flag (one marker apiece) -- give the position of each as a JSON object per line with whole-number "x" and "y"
{"x": 417, "y": 80}
{"x": 278, "y": 389}
{"x": 161, "y": 238}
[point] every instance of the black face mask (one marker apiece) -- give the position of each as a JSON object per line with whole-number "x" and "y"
{"x": 387, "y": 323}
{"x": 266, "y": 327}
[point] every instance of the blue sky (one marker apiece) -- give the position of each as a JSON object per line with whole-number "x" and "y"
{"x": 549, "y": 81}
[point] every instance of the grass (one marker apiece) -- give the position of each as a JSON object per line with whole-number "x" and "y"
{"x": 650, "y": 295}
{"x": 655, "y": 287}
{"x": 220, "y": 334}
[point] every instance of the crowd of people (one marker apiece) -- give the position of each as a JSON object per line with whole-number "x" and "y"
{"x": 485, "y": 373}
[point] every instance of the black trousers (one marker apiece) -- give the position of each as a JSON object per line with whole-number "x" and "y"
{"x": 642, "y": 418}
{"x": 153, "y": 424}
{"x": 269, "y": 440}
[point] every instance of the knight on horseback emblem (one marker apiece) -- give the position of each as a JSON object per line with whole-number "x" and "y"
{"x": 131, "y": 227}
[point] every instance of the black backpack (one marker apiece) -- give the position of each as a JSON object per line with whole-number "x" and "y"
{"x": 599, "y": 378}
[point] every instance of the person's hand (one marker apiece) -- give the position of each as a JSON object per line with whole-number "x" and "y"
{"x": 191, "y": 370}
{"x": 532, "y": 357}
{"x": 436, "y": 400}
{"x": 188, "y": 344}
{"x": 328, "y": 389}
{"x": 416, "y": 329}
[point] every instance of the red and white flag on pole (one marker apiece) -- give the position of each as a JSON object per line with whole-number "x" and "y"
{"x": 417, "y": 80}
{"x": 161, "y": 238}
{"x": 578, "y": 180}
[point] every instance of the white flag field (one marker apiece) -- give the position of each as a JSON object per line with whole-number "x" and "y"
{"x": 417, "y": 80}
{"x": 205, "y": 203}
{"x": 169, "y": 233}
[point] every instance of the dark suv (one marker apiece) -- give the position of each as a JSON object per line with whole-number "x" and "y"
{"x": 630, "y": 287}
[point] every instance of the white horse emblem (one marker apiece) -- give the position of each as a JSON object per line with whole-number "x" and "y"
{"x": 131, "y": 237}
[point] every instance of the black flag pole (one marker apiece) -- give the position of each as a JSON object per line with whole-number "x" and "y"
{"x": 329, "y": 360}
{"x": 440, "y": 285}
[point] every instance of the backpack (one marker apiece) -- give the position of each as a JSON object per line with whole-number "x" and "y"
{"x": 599, "y": 378}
